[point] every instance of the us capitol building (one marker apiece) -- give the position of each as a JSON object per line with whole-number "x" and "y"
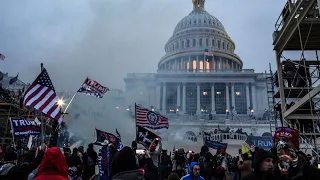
{"x": 198, "y": 92}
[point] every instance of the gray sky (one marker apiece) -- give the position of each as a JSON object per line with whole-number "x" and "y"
{"x": 105, "y": 39}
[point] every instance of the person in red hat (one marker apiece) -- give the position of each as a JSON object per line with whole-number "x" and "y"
{"x": 291, "y": 163}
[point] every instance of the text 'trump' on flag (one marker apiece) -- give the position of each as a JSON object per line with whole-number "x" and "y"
{"x": 93, "y": 88}
{"x": 150, "y": 119}
{"x": 41, "y": 95}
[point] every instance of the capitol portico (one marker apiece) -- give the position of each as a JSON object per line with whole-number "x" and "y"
{"x": 200, "y": 75}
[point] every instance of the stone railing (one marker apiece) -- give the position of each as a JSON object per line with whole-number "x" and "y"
{"x": 211, "y": 71}
{"x": 243, "y": 119}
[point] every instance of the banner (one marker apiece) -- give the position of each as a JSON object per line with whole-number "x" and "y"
{"x": 111, "y": 138}
{"x": 23, "y": 127}
{"x": 93, "y": 88}
{"x": 262, "y": 142}
{"x": 207, "y": 140}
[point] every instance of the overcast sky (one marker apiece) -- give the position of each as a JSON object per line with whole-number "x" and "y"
{"x": 105, "y": 39}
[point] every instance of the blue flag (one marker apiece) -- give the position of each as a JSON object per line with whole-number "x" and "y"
{"x": 209, "y": 142}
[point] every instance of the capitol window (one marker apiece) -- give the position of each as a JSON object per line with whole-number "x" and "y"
{"x": 194, "y": 43}
{"x": 207, "y": 42}
{"x": 223, "y": 45}
{"x": 182, "y": 44}
{"x": 212, "y": 43}
{"x": 200, "y": 42}
{"x": 188, "y": 43}
{"x": 219, "y": 44}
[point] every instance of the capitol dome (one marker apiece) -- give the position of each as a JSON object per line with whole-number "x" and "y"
{"x": 195, "y": 34}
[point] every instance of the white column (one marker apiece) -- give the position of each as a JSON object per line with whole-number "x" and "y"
{"x": 190, "y": 64}
{"x": 254, "y": 95}
{"x": 176, "y": 66}
{"x": 227, "y": 97}
{"x": 198, "y": 99}
{"x": 158, "y": 97}
{"x": 164, "y": 98}
{"x": 248, "y": 98}
{"x": 178, "y": 97}
{"x": 183, "y": 98}
{"x": 233, "y": 98}
{"x": 213, "y": 101}
{"x": 198, "y": 64}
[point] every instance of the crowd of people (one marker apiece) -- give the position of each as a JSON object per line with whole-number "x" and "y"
{"x": 283, "y": 162}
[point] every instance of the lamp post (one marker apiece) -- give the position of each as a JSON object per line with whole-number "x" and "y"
{"x": 227, "y": 113}
{"x": 251, "y": 111}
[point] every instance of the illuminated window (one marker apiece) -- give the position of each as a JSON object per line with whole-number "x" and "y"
{"x": 194, "y": 65}
{"x": 204, "y": 93}
{"x": 188, "y": 65}
{"x": 201, "y": 65}
{"x": 208, "y": 65}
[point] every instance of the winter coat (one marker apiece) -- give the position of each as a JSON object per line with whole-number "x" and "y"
{"x": 53, "y": 166}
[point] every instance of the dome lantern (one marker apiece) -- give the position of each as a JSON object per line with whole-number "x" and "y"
{"x": 198, "y": 4}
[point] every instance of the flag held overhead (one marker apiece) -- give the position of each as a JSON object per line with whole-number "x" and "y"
{"x": 93, "y": 88}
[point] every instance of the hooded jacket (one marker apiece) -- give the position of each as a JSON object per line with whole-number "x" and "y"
{"x": 190, "y": 176}
{"x": 53, "y": 166}
{"x": 258, "y": 158}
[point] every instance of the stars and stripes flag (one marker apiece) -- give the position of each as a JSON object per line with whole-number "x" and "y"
{"x": 150, "y": 119}
{"x": 249, "y": 144}
{"x": 41, "y": 95}
{"x": 2, "y": 57}
{"x": 208, "y": 55}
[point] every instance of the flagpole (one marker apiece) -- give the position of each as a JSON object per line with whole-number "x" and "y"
{"x": 74, "y": 95}
{"x": 65, "y": 110}
{"x": 14, "y": 144}
{"x": 41, "y": 117}
{"x": 135, "y": 121}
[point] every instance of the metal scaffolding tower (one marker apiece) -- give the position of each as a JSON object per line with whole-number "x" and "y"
{"x": 298, "y": 29}
{"x": 273, "y": 117}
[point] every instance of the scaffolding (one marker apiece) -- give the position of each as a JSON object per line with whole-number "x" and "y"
{"x": 273, "y": 116}
{"x": 8, "y": 110}
{"x": 298, "y": 29}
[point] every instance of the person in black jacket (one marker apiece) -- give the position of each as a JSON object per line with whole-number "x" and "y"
{"x": 263, "y": 162}
{"x": 8, "y": 169}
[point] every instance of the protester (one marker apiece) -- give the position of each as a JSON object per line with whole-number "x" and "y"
{"x": 53, "y": 166}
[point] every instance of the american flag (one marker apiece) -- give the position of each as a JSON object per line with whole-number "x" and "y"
{"x": 2, "y": 57}
{"x": 208, "y": 53}
{"x": 42, "y": 96}
{"x": 248, "y": 143}
{"x": 150, "y": 119}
